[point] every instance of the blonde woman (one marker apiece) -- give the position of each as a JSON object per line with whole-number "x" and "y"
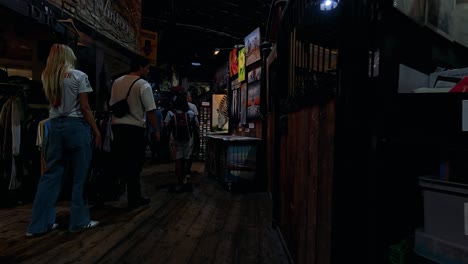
{"x": 68, "y": 142}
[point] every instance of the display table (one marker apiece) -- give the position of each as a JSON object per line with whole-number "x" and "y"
{"x": 231, "y": 159}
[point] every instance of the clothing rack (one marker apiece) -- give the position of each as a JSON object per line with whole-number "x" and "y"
{"x": 9, "y": 88}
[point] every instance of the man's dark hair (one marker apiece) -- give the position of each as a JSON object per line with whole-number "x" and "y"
{"x": 137, "y": 62}
{"x": 180, "y": 102}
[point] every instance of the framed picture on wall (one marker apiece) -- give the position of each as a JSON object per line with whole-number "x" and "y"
{"x": 241, "y": 65}
{"x": 233, "y": 62}
{"x": 243, "y": 104}
{"x": 235, "y": 104}
{"x": 234, "y": 84}
{"x": 254, "y": 75}
{"x": 253, "y": 100}
{"x": 219, "y": 121}
{"x": 252, "y": 47}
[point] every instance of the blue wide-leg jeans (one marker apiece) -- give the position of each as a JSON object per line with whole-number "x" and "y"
{"x": 68, "y": 147}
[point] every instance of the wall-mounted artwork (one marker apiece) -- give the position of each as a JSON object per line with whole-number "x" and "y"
{"x": 234, "y": 84}
{"x": 254, "y": 75}
{"x": 241, "y": 65}
{"x": 439, "y": 14}
{"x": 253, "y": 100}
{"x": 233, "y": 67}
{"x": 243, "y": 104}
{"x": 219, "y": 114}
{"x": 149, "y": 45}
{"x": 235, "y": 104}
{"x": 252, "y": 47}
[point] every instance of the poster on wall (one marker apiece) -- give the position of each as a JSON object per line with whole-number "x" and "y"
{"x": 233, "y": 62}
{"x": 252, "y": 47}
{"x": 439, "y": 14}
{"x": 241, "y": 65}
{"x": 254, "y": 75}
{"x": 235, "y": 104}
{"x": 234, "y": 84}
{"x": 149, "y": 45}
{"x": 243, "y": 104}
{"x": 219, "y": 121}
{"x": 253, "y": 100}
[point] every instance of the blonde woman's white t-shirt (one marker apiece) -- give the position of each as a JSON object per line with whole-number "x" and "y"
{"x": 74, "y": 83}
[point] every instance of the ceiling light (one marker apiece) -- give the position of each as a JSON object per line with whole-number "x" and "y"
{"x": 217, "y": 50}
{"x": 328, "y": 5}
{"x": 196, "y": 63}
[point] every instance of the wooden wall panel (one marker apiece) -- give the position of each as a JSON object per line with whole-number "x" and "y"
{"x": 324, "y": 210}
{"x": 270, "y": 155}
{"x": 306, "y": 173}
{"x": 284, "y": 191}
{"x": 312, "y": 200}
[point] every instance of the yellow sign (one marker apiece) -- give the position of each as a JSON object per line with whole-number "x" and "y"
{"x": 241, "y": 61}
{"x": 149, "y": 45}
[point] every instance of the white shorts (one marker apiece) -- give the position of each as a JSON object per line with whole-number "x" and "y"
{"x": 183, "y": 150}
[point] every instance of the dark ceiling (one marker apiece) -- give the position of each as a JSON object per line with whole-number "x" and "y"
{"x": 191, "y": 30}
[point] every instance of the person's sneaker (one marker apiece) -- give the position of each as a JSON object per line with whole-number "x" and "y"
{"x": 187, "y": 187}
{"x": 143, "y": 201}
{"x": 187, "y": 179}
{"x": 91, "y": 224}
{"x": 53, "y": 227}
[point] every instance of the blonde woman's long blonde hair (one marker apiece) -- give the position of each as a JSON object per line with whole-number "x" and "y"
{"x": 61, "y": 59}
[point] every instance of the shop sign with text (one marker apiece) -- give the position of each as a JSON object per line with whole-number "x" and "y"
{"x": 149, "y": 45}
{"x": 117, "y": 20}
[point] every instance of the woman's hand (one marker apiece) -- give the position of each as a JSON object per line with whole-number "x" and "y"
{"x": 157, "y": 136}
{"x": 97, "y": 140}
{"x": 88, "y": 116}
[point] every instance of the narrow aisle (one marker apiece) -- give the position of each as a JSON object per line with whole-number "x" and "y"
{"x": 208, "y": 225}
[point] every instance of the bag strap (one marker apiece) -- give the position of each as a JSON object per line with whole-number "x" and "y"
{"x": 129, "y": 89}
{"x": 186, "y": 118}
{"x": 175, "y": 118}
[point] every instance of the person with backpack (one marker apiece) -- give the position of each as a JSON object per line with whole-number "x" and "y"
{"x": 180, "y": 121}
{"x": 196, "y": 136}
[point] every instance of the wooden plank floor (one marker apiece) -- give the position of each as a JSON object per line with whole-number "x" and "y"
{"x": 209, "y": 225}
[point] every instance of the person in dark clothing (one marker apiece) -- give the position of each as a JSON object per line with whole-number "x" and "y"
{"x": 128, "y": 146}
{"x": 196, "y": 137}
{"x": 183, "y": 147}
